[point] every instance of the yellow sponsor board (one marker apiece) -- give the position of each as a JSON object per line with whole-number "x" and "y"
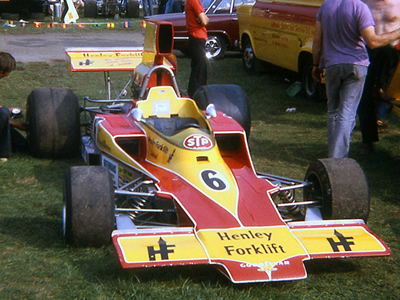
{"x": 252, "y": 245}
{"x": 105, "y": 60}
{"x": 341, "y": 240}
{"x": 136, "y": 249}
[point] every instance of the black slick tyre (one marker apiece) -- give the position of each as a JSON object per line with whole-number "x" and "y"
{"x": 132, "y": 9}
{"x": 228, "y": 98}
{"x": 90, "y": 9}
{"x": 53, "y": 118}
{"x": 341, "y": 187}
{"x": 89, "y": 210}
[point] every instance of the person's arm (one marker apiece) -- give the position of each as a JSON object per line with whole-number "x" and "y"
{"x": 202, "y": 19}
{"x": 374, "y": 40}
{"x": 316, "y": 51}
{"x": 18, "y": 125}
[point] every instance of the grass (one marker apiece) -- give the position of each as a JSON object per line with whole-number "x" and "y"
{"x": 37, "y": 264}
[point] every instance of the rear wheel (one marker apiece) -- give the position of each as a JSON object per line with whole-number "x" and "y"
{"x": 228, "y": 98}
{"x": 311, "y": 88}
{"x": 132, "y": 9}
{"x": 90, "y": 9}
{"x": 341, "y": 188}
{"x": 248, "y": 57}
{"x": 89, "y": 210}
{"x": 53, "y": 118}
{"x": 215, "y": 47}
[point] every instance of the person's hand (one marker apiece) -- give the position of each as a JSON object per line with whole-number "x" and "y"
{"x": 18, "y": 125}
{"x": 317, "y": 73}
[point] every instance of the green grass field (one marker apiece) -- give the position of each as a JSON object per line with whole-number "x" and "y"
{"x": 37, "y": 264}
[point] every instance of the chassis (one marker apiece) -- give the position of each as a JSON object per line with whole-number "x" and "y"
{"x": 169, "y": 180}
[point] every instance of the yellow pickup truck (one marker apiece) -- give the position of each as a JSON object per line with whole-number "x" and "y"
{"x": 280, "y": 32}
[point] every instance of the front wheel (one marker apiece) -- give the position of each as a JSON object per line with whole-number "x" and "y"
{"x": 215, "y": 47}
{"x": 341, "y": 188}
{"x": 89, "y": 209}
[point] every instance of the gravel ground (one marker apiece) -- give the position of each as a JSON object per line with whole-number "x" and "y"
{"x": 49, "y": 47}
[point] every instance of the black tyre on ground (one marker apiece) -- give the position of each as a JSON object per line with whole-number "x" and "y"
{"x": 228, "y": 98}
{"x": 53, "y": 117}
{"x": 132, "y": 9}
{"x": 341, "y": 186}
{"x": 90, "y": 9}
{"x": 89, "y": 210}
{"x": 215, "y": 47}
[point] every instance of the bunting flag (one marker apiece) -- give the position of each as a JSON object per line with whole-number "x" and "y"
{"x": 38, "y": 24}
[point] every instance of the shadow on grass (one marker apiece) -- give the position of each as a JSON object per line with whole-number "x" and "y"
{"x": 39, "y": 232}
{"x": 330, "y": 266}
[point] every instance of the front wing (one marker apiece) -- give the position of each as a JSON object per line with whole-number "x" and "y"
{"x": 249, "y": 254}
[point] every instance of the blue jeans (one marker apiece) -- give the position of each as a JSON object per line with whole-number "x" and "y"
{"x": 344, "y": 87}
{"x": 147, "y": 8}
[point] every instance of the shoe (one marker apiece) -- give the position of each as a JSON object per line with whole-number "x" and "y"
{"x": 3, "y": 159}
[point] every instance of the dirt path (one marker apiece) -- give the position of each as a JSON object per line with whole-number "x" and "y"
{"x": 50, "y": 47}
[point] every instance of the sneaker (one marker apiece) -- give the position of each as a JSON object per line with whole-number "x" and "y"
{"x": 3, "y": 159}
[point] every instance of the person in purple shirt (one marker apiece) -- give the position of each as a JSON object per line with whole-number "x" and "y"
{"x": 342, "y": 31}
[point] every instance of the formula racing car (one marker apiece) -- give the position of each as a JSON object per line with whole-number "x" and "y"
{"x": 169, "y": 180}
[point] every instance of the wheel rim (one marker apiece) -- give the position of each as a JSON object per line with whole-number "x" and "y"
{"x": 248, "y": 56}
{"x": 213, "y": 47}
{"x": 310, "y": 85}
{"x": 316, "y": 193}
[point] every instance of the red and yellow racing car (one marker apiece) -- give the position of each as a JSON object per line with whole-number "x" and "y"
{"x": 170, "y": 181}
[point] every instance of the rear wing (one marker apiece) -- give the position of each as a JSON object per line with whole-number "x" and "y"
{"x": 104, "y": 59}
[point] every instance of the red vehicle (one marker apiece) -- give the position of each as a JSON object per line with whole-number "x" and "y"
{"x": 223, "y": 28}
{"x": 171, "y": 182}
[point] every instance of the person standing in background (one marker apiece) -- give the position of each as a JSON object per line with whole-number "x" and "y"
{"x": 196, "y": 22}
{"x": 382, "y": 62}
{"x": 148, "y": 8}
{"x": 342, "y": 31}
{"x": 9, "y": 137}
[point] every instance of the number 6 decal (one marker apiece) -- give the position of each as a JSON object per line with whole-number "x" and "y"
{"x": 214, "y": 180}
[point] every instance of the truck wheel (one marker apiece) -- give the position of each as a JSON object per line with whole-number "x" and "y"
{"x": 132, "y": 9}
{"x": 248, "y": 57}
{"x": 53, "y": 123}
{"x": 90, "y": 9}
{"x": 341, "y": 187}
{"x": 88, "y": 211}
{"x": 228, "y": 98}
{"x": 215, "y": 47}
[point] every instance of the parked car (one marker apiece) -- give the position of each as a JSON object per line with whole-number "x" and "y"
{"x": 280, "y": 32}
{"x": 223, "y": 28}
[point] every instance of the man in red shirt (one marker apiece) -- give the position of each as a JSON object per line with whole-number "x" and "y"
{"x": 196, "y": 21}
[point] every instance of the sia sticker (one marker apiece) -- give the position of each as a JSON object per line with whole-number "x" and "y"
{"x": 197, "y": 142}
